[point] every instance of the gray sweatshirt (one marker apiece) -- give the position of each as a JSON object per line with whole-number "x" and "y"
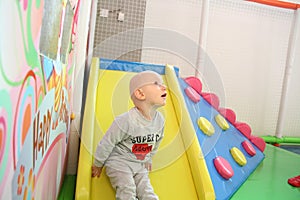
{"x": 130, "y": 139}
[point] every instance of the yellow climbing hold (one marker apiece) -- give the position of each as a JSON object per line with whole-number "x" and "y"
{"x": 205, "y": 126}
{"x": 238, "y": 156}
{"x": 221, "y": 121}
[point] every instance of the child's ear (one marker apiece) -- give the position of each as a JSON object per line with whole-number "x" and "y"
{"x": 139, "y": 94}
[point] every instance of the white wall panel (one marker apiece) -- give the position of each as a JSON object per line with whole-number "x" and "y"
{"x": 181, "y": 22}
{"x": 291, "y": 122}
{"x": 247, "y": 44}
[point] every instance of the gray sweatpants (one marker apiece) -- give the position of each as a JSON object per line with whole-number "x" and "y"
{"x": 131, "y": 184}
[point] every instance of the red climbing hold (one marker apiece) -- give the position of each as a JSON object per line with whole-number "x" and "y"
{"x": 195, "y": 83}
{"x": 249, "y": 148}
{"x": 228, "y": 114}
{"x": 212, "y": 99}
{"x": 244, "y": 128}
{"x": 258, "y": 142}
{"x": 192, "y": 94}
{"x": 295, "y": 181}
{"x": 223, "y": 167}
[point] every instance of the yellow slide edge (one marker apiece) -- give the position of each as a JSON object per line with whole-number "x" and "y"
{"x": 202, "y": 181}
{"x": 83, "y": 183}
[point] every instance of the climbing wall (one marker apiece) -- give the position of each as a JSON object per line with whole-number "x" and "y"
{"x": 231, "y": 152}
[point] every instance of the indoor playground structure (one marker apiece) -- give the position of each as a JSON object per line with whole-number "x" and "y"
{"x": 206, "y": 152}
{"x": 232, "y": 113}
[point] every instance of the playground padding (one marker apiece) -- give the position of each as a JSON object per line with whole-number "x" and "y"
{"x": 179, "y": 168}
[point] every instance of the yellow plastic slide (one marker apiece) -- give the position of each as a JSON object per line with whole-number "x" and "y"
{"x": 179, "y": 169}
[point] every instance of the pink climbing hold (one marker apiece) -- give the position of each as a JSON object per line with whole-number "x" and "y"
{"x": 249, "y": 148}
{"x": 195, "y": 83}
{"x": 244, "y": 128}
{"x": 192, "y": 94}
{"x": 228, "y": 114}
{"x": 258, "y": 142}
{"x": 212, "y": 99}
{"x": 223, "y": 167}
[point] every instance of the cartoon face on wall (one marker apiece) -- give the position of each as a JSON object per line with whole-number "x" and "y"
{"x": 36, "y": 66}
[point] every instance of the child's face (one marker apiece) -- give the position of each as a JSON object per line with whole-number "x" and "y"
{"x": 155, "y": 94}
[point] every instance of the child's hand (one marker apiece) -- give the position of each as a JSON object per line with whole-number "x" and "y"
{"x": 96, "y": 171}
{"x": 148, "y": 166}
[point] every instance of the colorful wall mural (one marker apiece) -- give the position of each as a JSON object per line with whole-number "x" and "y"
{"x": 36, "y": 72}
